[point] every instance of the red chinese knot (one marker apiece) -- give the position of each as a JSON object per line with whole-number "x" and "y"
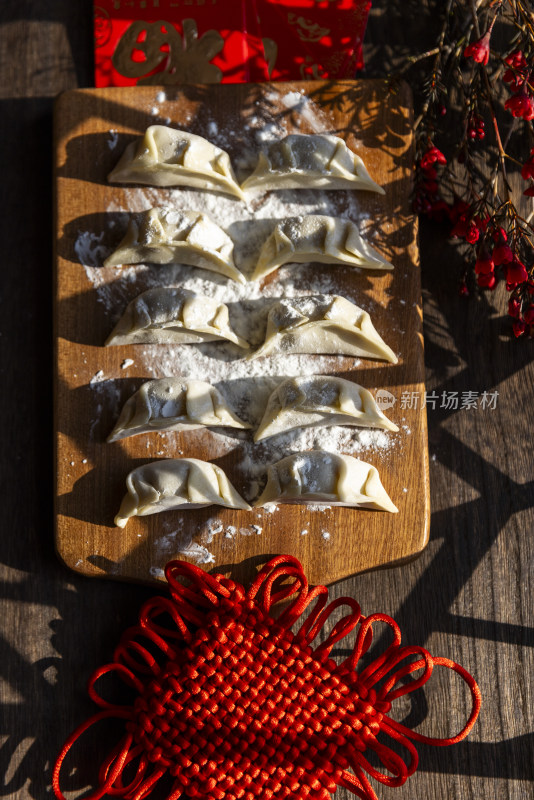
{"x": 232, "y": 703}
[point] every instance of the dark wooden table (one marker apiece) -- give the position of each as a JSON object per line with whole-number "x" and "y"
{"x": 468, "y": 596}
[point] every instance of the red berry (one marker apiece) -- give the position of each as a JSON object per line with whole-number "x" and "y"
{"x": 463, "y": 291}
{"x": 502, "y": 254}
{"x": 520, "y": 105}
{"x": 487, "y": 281}
{"x": 479, "y": 51}
{"x": 484, "y": 265}
{"x": 500, "y": 236}
{"x": 516, "y": 273}
{"x": 431, "y": 157}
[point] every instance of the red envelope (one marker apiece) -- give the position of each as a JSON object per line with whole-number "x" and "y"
{"x": 164, "y": 42}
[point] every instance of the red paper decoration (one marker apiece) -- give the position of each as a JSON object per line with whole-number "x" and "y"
{"x": 232, "y": 703}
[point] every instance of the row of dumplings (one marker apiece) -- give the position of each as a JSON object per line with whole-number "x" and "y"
{"x": 327, "y": 324}
{"x": 166, "y": 236}
{"x": 174, "y": 404}
{"x": 314, "y": 476}
{"x": 168, "y": 157}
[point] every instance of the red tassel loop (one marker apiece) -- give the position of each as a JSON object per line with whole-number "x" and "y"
{"x": 232, "y": 703}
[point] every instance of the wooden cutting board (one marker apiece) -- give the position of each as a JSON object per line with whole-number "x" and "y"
{"x": 92, "y": 381}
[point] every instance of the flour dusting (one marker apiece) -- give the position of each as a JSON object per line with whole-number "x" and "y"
{"x": 113, "y": 139}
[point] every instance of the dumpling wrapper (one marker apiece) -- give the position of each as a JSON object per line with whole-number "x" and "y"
{"x": 318, "y": 476}
{"x": 169, "y": 157}
{"x": 173, "y": 404}
{"x": 328, "y": 240}
{"x": 327, "y": 324}
{"x": 310, "y": 161}
{"x": 171, "y": 316}
{"x": 164, "y": 236}
{"x": 320, "y": 401}
{"x": 176, "y": 483}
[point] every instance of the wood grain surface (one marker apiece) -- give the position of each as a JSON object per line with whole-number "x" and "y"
{"x": 91, "y": 473}
{"x": 469, "y": 595}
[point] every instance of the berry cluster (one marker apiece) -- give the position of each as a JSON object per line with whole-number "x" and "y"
{"x": 475, "y": 127}
{"x": 427, "y": 198}
{"x": 474, "y": 124}
{"x": 521, "y": 310}
{"x": 480, "y": 210}
{"x": 496, "y": 252}
{"x": 517, "y": 76}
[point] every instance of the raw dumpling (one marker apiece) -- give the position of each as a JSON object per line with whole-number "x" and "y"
{"x": 320, "y": 400}
{"x": 172, "y": 316}
{"x": 173, "y": 404}
{"x": 318, "y": 476}
{"x": 169, "y": 157}
{"x": 322, "y": 324}
{"x": 163, "y": 236}
{"x": 176, "y": 483}
{"x": 329, "y": 240}
{"x": 310, "y": 161}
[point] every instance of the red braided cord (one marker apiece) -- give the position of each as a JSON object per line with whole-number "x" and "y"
{"x": 232, "y": 704}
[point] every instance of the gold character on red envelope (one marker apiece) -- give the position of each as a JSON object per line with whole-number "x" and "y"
{"x": 185, "y": 58}
{"x": 307, "y": 29}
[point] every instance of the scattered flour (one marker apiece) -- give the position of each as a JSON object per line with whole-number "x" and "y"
{"x": 179, "y": 542}
{"x": 197, "y": 552}
{"x": 306, "y": 109}
{"x": 90, "y": 251}
{"x": 113, "y": 139}
{"x": 213, "y": 527}
{"x": 270, "y": 508}
{"x": 98, "y": 377}
{"x": 157, "y": 572}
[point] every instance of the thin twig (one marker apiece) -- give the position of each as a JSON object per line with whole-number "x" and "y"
{"x": 489, "y": 96}
{"x": 437, "y": 60}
